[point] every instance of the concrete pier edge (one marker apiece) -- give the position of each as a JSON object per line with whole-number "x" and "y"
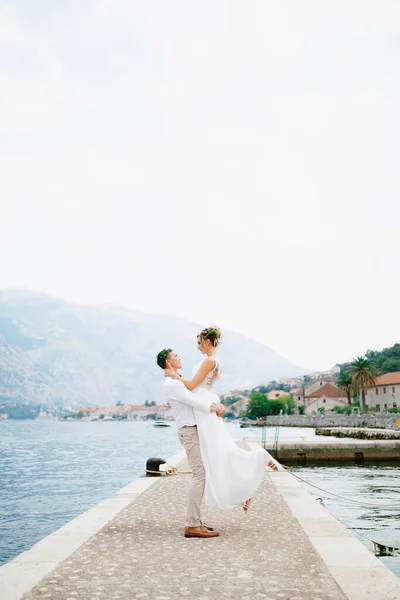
{"x": 356, "y": 571}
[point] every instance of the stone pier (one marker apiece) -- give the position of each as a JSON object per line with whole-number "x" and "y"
{"x": 323, "y": 449}
{"x": 131, "y": 546}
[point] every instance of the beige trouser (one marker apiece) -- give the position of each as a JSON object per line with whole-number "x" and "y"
{"x": 189, "y": 439}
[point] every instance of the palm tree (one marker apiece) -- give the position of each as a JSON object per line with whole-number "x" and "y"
{"x": 345, "y": 383}
{"x": 363, "y": 373}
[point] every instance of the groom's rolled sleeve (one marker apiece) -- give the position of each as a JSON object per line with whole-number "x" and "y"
{"x": 182, "y": 394}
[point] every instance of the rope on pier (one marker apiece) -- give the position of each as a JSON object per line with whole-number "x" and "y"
{"x": 170, "y": 471}
{"x": 365, "y": 504}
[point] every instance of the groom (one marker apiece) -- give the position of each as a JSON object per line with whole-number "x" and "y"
{"x": 182, "y": 403}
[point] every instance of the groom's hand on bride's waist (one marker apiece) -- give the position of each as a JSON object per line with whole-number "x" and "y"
{"x": 220, "y": 410}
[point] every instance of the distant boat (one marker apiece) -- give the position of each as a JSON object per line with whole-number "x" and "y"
{"x": 161, "y": 423}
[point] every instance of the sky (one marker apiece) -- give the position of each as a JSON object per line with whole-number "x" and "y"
{"x": 232, "y": 163}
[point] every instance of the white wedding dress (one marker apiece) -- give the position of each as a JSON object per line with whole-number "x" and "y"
{"x": 232, "y": 474}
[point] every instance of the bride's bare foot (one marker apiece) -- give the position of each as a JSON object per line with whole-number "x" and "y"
{"x": 246, "y": 504}
{"x": 272, "y": 465}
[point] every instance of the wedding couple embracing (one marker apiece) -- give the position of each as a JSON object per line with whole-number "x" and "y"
{"x": 224, "y": 474}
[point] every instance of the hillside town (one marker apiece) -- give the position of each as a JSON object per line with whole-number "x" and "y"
{"x": 313, "y": 393}
{"x": 364, "y": 385}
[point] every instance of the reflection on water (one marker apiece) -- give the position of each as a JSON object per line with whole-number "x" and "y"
{"x": 52, "y": 471}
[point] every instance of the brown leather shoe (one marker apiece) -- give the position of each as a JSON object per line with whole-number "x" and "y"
{"x": 209, "y": 528}
{"x": 200, "y": 532}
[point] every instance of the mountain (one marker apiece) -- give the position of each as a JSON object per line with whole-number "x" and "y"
{"x": 59, "y": 353}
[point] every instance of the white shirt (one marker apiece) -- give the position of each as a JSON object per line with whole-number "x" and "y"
{"x": 182, "y": 402}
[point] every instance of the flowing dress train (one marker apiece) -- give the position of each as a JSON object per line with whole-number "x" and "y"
{"x": 232, "y": 474}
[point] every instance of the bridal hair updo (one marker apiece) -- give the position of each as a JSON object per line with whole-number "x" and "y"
{"x": 212, "y": 334}
{"x": 162, "y": 357}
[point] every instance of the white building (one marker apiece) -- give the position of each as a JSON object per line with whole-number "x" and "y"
{"x": 386, "y": 393}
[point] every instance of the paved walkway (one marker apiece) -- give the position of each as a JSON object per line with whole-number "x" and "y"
{"x": 142, "y": 553}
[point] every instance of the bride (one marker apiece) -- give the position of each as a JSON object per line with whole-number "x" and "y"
{"x": 232, "y": 474}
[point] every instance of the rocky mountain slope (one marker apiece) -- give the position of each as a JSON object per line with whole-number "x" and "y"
{"x": 60, "y": 353}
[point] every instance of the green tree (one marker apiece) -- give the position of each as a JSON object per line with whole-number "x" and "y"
{"x": 119, "y": 403}
{"x": 302, "y": 409}
{"x": 287, "y": 401}
{"x": 386, "y": 360}
{"x": 258, "y": 405}
{"x": 275, "y": 407}
{"x": 363, "y": 373}
{"x": 79, "y": 415}
{"x": 345, "y": 383}
{"x": 101, "y": 416}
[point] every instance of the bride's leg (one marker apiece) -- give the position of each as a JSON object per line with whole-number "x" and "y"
{"x": 246, "y": 504}
{"x": 272, "y": 463}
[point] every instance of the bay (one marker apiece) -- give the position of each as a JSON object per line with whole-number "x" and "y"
{"x": 52, "y": 471}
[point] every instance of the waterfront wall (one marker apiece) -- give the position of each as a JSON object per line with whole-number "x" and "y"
{"x": 362, "y": 433}
{"x": 327, "y": 449}
{"x": 377, "y": 420}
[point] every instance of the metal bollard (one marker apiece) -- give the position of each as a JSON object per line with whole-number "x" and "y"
{"x": 153, "y": 465}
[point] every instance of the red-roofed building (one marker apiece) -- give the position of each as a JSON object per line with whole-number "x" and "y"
{"x": 386, "y": 393}
{"x": 319, "y": 383}
{"x": 328, "y": 396}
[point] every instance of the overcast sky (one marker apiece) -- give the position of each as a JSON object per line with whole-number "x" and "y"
{"x": 229, "y": 162}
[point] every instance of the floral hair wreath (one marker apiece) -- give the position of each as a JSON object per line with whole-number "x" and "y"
{"x": 163, "y": 357}
{"x": 211, "y": 334}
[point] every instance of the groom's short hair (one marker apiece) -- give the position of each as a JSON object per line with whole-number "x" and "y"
{"x": 162, "y": 357}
